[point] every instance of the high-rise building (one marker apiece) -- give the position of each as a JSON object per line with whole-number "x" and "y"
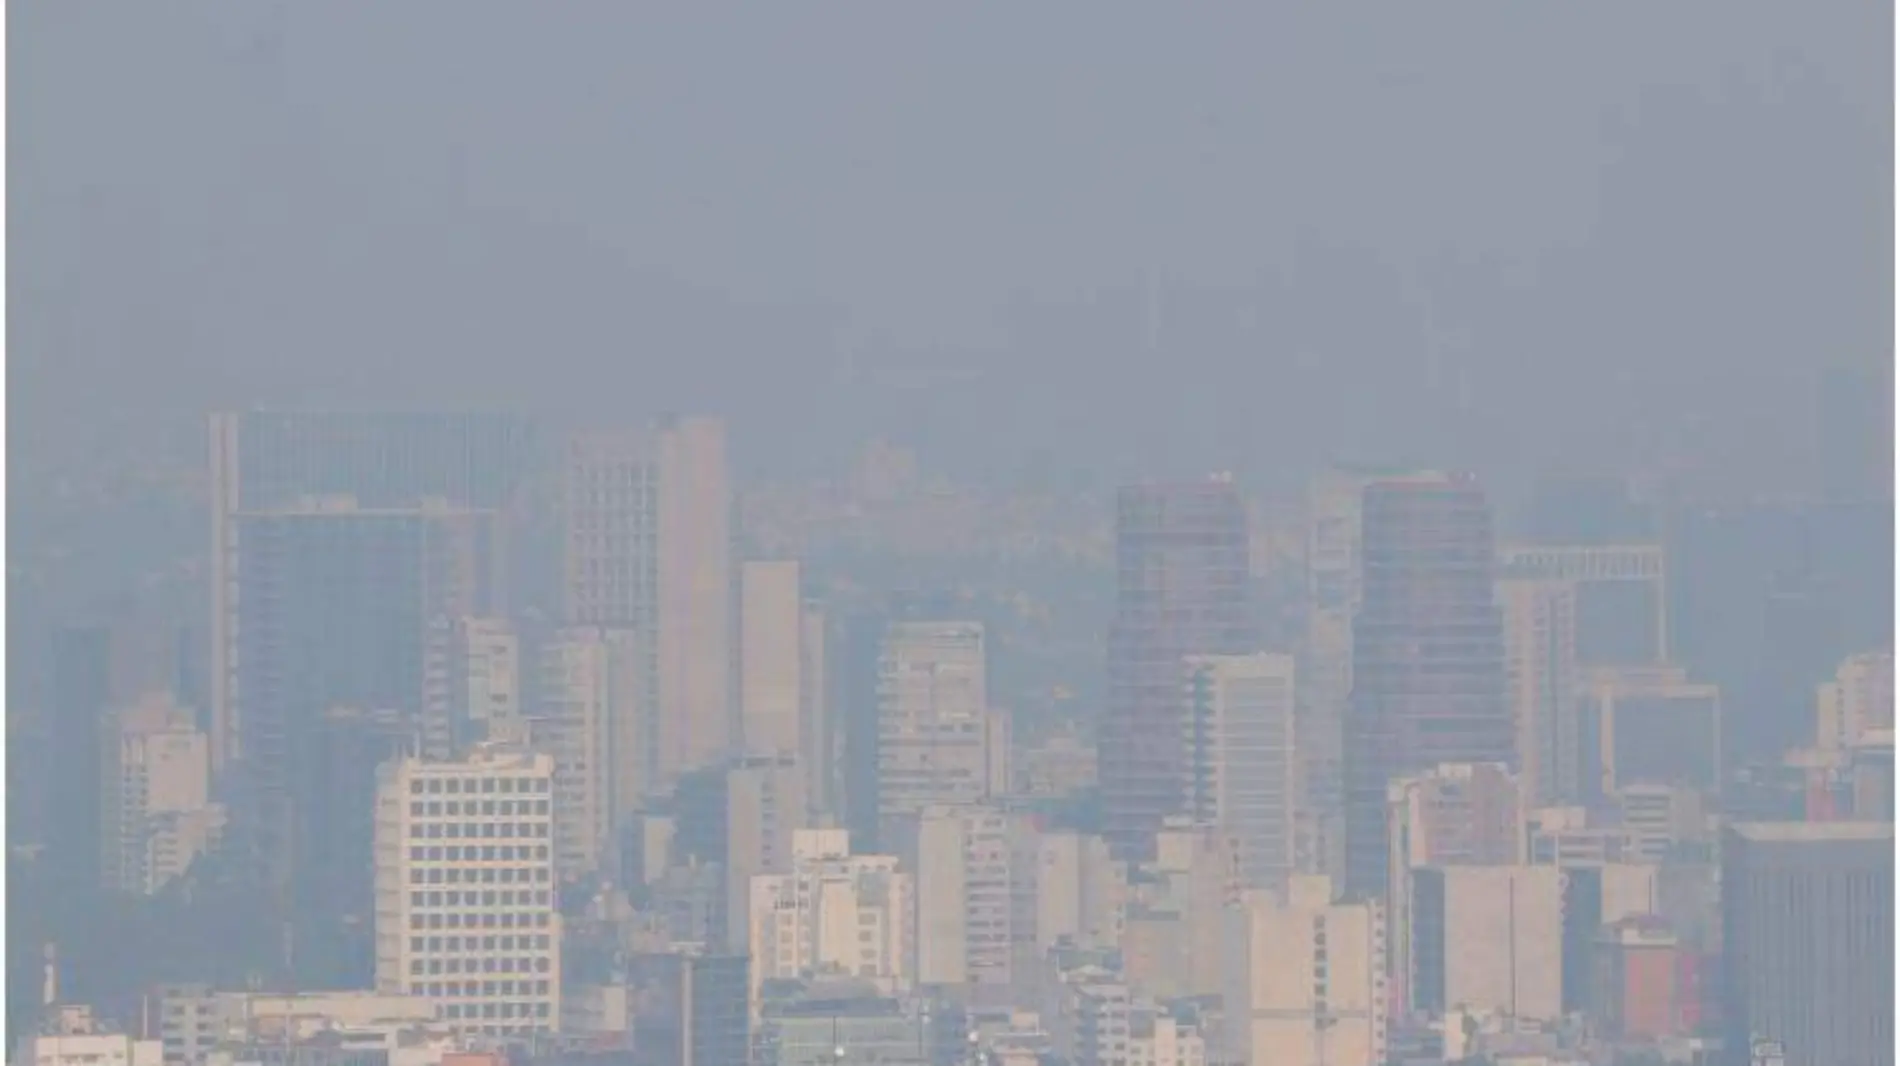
{"x": 1307, "y": 978}
{"x": 932, "y": 722}
{"x": 1240, "y": 758}
{"x": 647, "y": 535}
{"x": 333, "y": 609}
{"x": 1080, "y": 891}
{"x": 1334, "y": 528}
{"x": 854, "y": 700}
{"x": 471, "y": 685}
{"x": 833, "y": 912}
{"x": 1540, "y": 665}
{"x": 267, "y": 461}
{"x": 1458, "y": 814}
{"x": 589, "y": 723}
{"x": 1808, "y": 941}
{"x": 97, "y": 671}
{"x": 741, "y": 818}
{"x": 1182, "y": 589}
{"x": 1488, "y": 938}
{"x": 157, "y": 808}
{"x": 1619, "y": 596}
{"x": 465, "y": 907}
{"x": 968, "y": 874}
{"x": 1428, "y": 653}
{"x": 772, "y": 657}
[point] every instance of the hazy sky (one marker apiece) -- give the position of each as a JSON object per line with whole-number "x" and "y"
{"x": 1107, "y": 236}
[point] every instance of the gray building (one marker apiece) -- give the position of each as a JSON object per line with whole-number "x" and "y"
{"x": 1808, "y": 941}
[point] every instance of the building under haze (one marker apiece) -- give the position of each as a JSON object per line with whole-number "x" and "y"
{"x": 466, "y": 913}
{"x": 1428, "y": 654}
{"x": 933, "y": 722}
{"x": 1808, "y": 942}
{"x": 1181, "y": 590}
{"x": 1240, "y": 758}
{"x": 334, "y": 609}
{"x": 646, "y": 518}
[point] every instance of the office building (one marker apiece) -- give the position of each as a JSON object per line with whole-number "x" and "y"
{"x": 157, "y": 811}
{"x": 1858, "y": 701}
{"x": 933, "y": 720}
{"x": 1641, "y": 993}
{"x": 471, "y": 685}
{"x": 969, "y": 866}
{"x": 834, "y": 912}
{"x": 589, "y": 722}
{"x": 771, "y": 657}
{"x": 1459, "y": 814}
{"x": 1544, "y": 685}
{"x": 335, "y": 607}
{"x": 1240, "y": 757}
{"x": 1619, "y": 593}
{"x": 268, "y": 461}
{"x": 1182, "y": 589}
{"x": 71, "y": 1037}
{"x": 1650, "y": 726}
{"x": 1428, "y": 654}
{"x": 1080, "y": 890}
{"x": 1306, "y": 983}
{"x": 1488, "y": 938}
{"x": 754, "y": 807}
{"x": 1808, "y": 941}
{"x": 845, "y": 1023}
{"x": 647, "y": 545}
{"x": 465, "y": 908}
{"x": 689, "y": 1009}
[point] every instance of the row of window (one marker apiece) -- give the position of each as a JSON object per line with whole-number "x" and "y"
{"x": 494, "y": 1010}
{"x": 452, "y": 898}
{"x": 476, "y": 831}
{"x": 434, "y": 786}
{"x": 438, "y": 967}
{"x": 436, "y": 945}
{"x": 473, "y": 808}
{"x": 437, "y": 875}
{"x": 483, "y": 853}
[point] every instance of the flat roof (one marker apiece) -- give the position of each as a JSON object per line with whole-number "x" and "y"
{"x": 1813, "y": 831}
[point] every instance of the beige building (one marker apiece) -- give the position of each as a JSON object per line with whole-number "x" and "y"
{"x": 156, "y": 812}
{"x": 834, "y": 913}
{"x": 1459, "y": 814}
{"x": 771, "y": 657}
{"x": 1179, "y": 897}
{"x": 933, "y": 720}
{"x": 1488, "y": 938}
{"x": 648, "y": 545}
{"x": 1858, "y": 701}
{"x": 1239, "y": 751}
{"x": 1305, "y": 981}
{"x": 590, "y": 724}
{"x": 1080, "y": 891}
{"x": 969, "y": 872}
{"x": 764, "y": 810}
{"x": 1335, "y": 517}
{"x": 466, "y": 913}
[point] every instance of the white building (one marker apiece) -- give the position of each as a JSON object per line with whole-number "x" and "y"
{"x": 1306, "y": 979}
{"x": 590, "y": 725}
{"x": 1859, "y": 700}
{"x": 1239, "y": 752}
{"x": 466, "y": 913}
{"x": 834, "y": 913}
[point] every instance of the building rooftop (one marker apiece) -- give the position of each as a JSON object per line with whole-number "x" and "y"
{"x": 1799, "y": 832}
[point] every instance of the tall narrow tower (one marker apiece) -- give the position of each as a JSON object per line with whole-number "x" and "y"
{"x": 1182, "y": 590}
{"x": 1428, "y": 653}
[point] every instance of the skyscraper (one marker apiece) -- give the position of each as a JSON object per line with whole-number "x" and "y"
{"x": 1428, "y": 653}
{"x": 771, "y": 657}
{"x": 933, "y": 717}
{"x": 262, "y": 461}
{"x": 1181, "y": 554}
{"x": 1807, "y": 941}
{"x": 334, "y": 608}
{"x": 589, "y": 724}
{"x": 647, "y": 544}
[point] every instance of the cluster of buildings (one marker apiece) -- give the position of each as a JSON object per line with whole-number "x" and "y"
{"x": 680, "y": 814}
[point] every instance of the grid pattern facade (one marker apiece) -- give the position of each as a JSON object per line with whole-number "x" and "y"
{"x": 1428, "y": 654}
{"x": 466, "y": 913}
{"x": 1181, "y": 553}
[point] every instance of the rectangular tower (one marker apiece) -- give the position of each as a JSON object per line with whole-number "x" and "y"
{"x": 1241, "y": 757}
{"x": 1428, "y": 653}
{"x": 1181, "y": 553}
